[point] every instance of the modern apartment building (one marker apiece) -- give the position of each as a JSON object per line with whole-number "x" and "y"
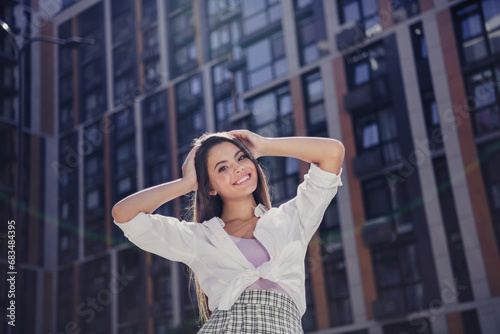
{"x": 411, "y": 242}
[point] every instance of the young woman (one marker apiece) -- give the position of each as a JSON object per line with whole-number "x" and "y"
{"x": 248, "y": 257}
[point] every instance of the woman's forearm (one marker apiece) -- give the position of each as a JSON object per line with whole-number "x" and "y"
{"x": 327, "y": 153}
{"x": 148, "y": 200}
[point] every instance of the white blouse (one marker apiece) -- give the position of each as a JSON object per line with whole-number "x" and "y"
{"x": 223, "y": 272}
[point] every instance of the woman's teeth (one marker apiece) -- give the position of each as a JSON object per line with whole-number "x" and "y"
{"x": 243, "y": 179}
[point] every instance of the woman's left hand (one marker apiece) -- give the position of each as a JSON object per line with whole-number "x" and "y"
{"x": 255, "y": 143}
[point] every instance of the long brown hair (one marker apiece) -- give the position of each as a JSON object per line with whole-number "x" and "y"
{"x": 205, "y": 206}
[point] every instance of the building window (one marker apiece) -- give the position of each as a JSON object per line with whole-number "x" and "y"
{"x": 416, "y": 326}
{"x": 66, "y": 88}
{"x": 151, "y": 40}
{"x": 429, "y": 105}
{"x": 123, "y": 86}
{"x": 123, "y": 72}
{"x": 93, "y": 104}
{"x": 490, "y": 160}
{"x": 404, "y": 9}
{"x": 329, "y": 230}
{"x": 223, "y": 103}
{"x": 314, "y": 103}
{"x": 485, "y": 94}
{"x": 68, "y": 239}
{"x": 93, "y": 200}
{"x": 66, "y": 117}
{"x": 398, "y": 275}
{"x": 363, "y": 12}
{"x": 155, "y": 141}
{"x": 272, "y": 117}
{"x": 470, "y": 322}
{"x": 123, "y": 26}
{"x": 225, "y": 39}
{"x": 308, "y": 40}
{"x": 369, "y": 67}
{"x": 478, "y": 28}
{"x": 189, "y": 101}
{"x": 173, "y": 5}
{"x": 259, "y": 14}
{"x": 182, "y": 27}
{"x": 92, "y": 74}
{"x": 265, "y": 60}
{"x": 96, "y": 275}
{"x": 309, "y": 318}
{"x": 149, "y": 10}
{"x": 122, "y": 61}
{"x": 220, "y": 9}
{"x": 189, "y": 295}
{"x": 452, "y": 229}
{"x": 68, "y": 172}
{"x": 337, "y": 288}
{"x": 94, "y": 216}
{"x": 152, "y": 72}
{"x": 388, "y": 201}
{"x": 65, "y": 298}
{"x": 154, "y": 105}
{"x": 182, "y": 42}
{"x": 376, "y": 132}
{"x": 131, "y": 301}
{"x": 162, "y": 292}
{"x": 91, "y": 51}
{"x": 185, "y": 58}
{"x": 299, "y": 4}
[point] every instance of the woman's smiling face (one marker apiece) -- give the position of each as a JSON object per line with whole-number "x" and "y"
{"x": 231, "y": 173}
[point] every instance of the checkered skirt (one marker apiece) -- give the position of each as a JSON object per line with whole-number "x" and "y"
{"x": 257, "y": 311}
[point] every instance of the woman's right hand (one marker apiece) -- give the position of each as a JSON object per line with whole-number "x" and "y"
{"x": 189, "y": 170}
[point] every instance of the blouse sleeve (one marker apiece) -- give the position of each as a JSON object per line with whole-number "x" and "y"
{"x": 314, "y": 195}
{"x": 161, "y": 235}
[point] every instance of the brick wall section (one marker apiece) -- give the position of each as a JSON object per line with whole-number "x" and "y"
{"x": 140, "y": 43}
{"x": 385, "y": 11}
{"x": 425, "y": 5}
{"x": 454, "y": 321}
{"x": 316, "y": 267}
{"x": 475, "y": 182}
{"x": 366, "y": 269}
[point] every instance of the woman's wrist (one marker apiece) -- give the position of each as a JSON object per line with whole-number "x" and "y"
{"x": 189, "y": 184}
{"x": 264, "y": 147}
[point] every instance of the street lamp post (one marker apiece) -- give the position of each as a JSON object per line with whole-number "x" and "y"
{"x": 19, "y": 49}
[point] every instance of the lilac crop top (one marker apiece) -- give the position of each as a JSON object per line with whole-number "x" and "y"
{"x": 257, "y": 254}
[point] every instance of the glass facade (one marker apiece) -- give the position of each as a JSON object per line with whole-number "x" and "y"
{"x": 180, "y": 68}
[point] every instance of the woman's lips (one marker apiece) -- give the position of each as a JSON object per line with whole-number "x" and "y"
{"x": 246, "y": 179}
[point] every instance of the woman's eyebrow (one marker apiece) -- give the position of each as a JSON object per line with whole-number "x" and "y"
{"x": 223, "y": 161}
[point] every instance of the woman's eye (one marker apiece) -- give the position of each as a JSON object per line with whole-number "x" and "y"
{"x": 222, "y": 169}
{"x": 242, "y": 157}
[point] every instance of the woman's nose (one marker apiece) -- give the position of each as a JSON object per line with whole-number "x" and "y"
{"x": 238, "y": 168}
